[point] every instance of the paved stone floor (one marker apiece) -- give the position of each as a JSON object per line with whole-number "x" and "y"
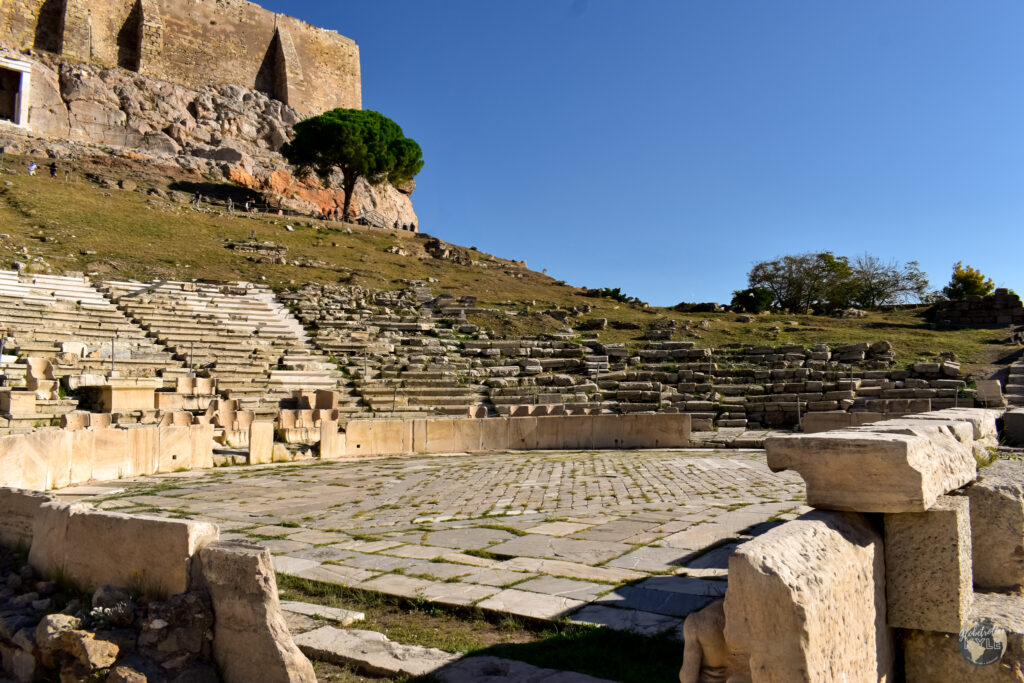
{"x": 628, "y": 539}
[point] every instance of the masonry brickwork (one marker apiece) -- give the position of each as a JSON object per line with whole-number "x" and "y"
{"x": 195, "y": 43}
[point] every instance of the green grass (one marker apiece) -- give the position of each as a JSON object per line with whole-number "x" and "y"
{"x": 144, "y": 237}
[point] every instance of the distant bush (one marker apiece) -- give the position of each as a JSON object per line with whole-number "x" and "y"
{"x": 752, "y": 300}
{"x": 612, "y": 293}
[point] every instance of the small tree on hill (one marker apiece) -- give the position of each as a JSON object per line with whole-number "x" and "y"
{"x": 358, "y": 143}
{"x": 967, "y": 281}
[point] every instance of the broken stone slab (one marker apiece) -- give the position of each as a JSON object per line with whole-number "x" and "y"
{"x": 903, "y": 470}
{"x": 928, "y": 567}
{"x": 997, "y": 527}
{"x": 806, "y": 601}
{"x": 487, "y": 669}
{"x": 646, "y": 623}
{"x": 345, "y": 617}
{"x": 250, "y": 637}
{"x": 371, "y": 652}
{"x": 532, "y": 605}
{"x": 982, "y": 420}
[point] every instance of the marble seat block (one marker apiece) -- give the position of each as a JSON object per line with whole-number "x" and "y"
{"x": 928, "y": 566}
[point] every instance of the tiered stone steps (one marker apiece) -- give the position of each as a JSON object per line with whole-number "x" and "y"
{"x": 237, "y": 333}
{"x": 1014, "y": 389}
{"x": 46, "y": 315}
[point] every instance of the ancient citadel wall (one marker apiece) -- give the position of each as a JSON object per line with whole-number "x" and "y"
{"x": 195, "y": 43}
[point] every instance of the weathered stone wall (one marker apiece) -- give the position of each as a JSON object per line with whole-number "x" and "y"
{"x": 362, "y": 438}
{"x": 1000, "y": 308}
{"x": 54, "y": 458}
{"x": 196, "y": 44}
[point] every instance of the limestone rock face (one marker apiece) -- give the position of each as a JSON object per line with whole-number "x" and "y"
{"x": 225, "y": 129}
{"x": 251, "y": 640}
{"x": 894, "y": 468}
{"x": 997, "y": 527}
{"x": 806, "y": 602}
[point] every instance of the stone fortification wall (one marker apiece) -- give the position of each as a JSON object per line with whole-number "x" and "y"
{"x": 196, "y": 44}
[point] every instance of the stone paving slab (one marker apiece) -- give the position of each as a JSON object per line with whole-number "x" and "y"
{"x": 583, "y": 552}
{"x": 533, "y": 605}
{"x": 632, "y": 537}
{"x": 557, "y": 528}
{"x": 568, "y": 588}
{"x": 656, "y": 601}
{"x": 333, "y": 573}
{"x": 344, "y": 617}
{"x": 371, "y": 652}
{"x": 572, "y": 570}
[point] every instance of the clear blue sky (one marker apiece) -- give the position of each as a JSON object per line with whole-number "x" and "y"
{"x": 662, "y": 146}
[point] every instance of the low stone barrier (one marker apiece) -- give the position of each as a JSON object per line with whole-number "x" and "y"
{"x": 474, "y": 435}
{"x": 53, "y": 458}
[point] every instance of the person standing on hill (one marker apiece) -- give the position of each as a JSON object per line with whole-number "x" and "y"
{"x": 32, "y": 168}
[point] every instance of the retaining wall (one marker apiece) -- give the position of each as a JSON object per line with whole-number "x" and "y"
{"x": 474, "y": 435}
{"x": 53, "y": 458}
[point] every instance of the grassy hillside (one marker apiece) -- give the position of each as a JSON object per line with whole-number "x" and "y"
{"x": 114, "y": 233}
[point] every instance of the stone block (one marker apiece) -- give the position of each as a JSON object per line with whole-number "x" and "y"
{"x": 905, "y": 470}
{"x": 18, "y": 511}
{"x": 261, "y": 441}
{"x": 806, "y": 602}
{"x": 332, "y": 441}
{"x": 816, "y": 423}
{"x": 494, "y": 434}
{"x": 522, "y": 433}
{"x": 94, "y": 548}
{"x": 39, "y": 461}
{"x": 928, "y": 566}
{"x": 983, "y": 421}
{"x": 1013, "y": 427}
{"x": 250, "y": 637}
{"x": 17, "y": 403}
{"x": 997, "y": 527}
{"x": 931, "y": 657}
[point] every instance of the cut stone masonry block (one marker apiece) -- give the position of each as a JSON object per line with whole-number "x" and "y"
{"x": 928, "y": 566}
{"x": 806, "y": 602}
{"x": 868, "y": 469}
{"x": 997, "y": 526}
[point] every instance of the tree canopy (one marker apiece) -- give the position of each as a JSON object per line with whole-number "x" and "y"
{"x": 358, "y": 143}
{"x": 822, "y": 281}
{"x": 967, "y": 281}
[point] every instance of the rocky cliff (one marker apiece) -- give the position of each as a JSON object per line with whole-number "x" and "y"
{"x": 225, "y": 130}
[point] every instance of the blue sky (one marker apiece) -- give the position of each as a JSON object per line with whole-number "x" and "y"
{"x": 664, "y": 146}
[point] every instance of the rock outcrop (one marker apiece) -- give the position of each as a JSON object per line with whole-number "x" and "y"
{"x": 224, "y": 130}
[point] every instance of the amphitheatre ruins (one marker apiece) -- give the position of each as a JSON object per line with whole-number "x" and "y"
{"x": 198, "y": 450}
